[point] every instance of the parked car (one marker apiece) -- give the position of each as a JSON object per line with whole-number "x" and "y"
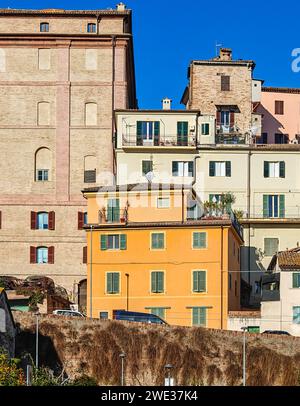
{"x": 137, "y": 317}
{"x": 71, "y": 313}
{"x": 279, "y": 332}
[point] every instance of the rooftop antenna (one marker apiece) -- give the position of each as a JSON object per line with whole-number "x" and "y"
{"x": 217, "y": 48}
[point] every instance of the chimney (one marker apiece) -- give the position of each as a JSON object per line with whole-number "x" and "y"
{"x": 166, "y": 103}
{"x": 225, "y": 54}
{"x": 121, "y": 7}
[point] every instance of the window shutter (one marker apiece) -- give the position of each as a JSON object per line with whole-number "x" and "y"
{"x": 212, "y": 168}
{"x": 160, "y": 282}
{"x": 32, "y": 255}
{"x": 202, "y": 281}
{"x": 156, "y": 132}
{"x": 153, "y": 282}
{"x": 116, "y": 283}
{"x": 147, "y": 166}
{"x": 33, "y": 220}
{"x": 281, "y": 206}
{"x": 139, "y": 135}
{"x": 195, "y": 281}
{"x": 202, "y": 240}
{"x": 51, "y": 255}
{"x": 123, "y": 242}
{"x": 175, "y": 168}
{"x": 116, "y": 211}
{"x": 228, "y": 168}
{"x": 109, "y": 283}
{"x": 84, "y": 255}
{"x": 104, "y": 241}
{"x": 295, "y": 280}
{"x": 196, "y": 240}
{"x": 90, "y": 176}
{"x": 161, "y": 242}
{"x": 266, "y": 206}
{"x": 231, "y": 119}
{"x": 154, "y": 241}
{"x": 218, "y": 117}
{"x": 80, "y": 220}
{"x": 195, "y": 317}
{"x": 282, "y": 169}
{"x": 266, "y": 169}
{"x": 52, "y": 220}
{"x": 202, "y": 317}
{"x": 191, "y": 168}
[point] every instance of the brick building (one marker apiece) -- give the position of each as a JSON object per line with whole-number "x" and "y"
{"x": 62, "y": 74}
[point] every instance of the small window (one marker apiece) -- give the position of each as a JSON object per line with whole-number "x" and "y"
{"x": 147, "y": 166}
{"x": 199, "y": 281}
{"x": 271, "y": 246}
{"x": 225, "y": 83}
{"x": 113, "y": 283}
{"x": 163, "y": 202}
{"x": 199, "y": 316}
{"x": 42, "y": 255}
{"x": 205, "y": 129}
{"x": 90, "y": 176}
{"x": 279, "y": 107}
{"x": 42, "y": 175}
{"x": 296, "y": 314}
{"x": 274, "y": 169}
{"x": 103, "y": 315}
{"x": 296, "y": 280}
{"x": 113, "y": 242}
{"x": 91, "y": 27}
{"x": 42, "y": 221}
{"x": 44, "y": 27}
{"x": 182, "y": 168}
{"x": 158, "y": 311}
{"x": 157, "y": 241}
{"x": 199, "y": 240}
{"x": 157, "y": 282}
{"x": 222, "y": 169}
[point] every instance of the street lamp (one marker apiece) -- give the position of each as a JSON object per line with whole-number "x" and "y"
{"x": 244, "y": 355}
{"x": 122, "y": 356}
{"x": 37, "y": 314}
{"x": 91, "y": 272}
{"x": 168, "y": 368}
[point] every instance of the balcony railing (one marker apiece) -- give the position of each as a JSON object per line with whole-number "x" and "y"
{"x": 114, "y": 216}
{"x": 159, "y": 141}
{"x": 230, "y": 139}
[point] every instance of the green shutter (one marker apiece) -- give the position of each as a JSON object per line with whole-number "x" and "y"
{"x": 191, "y": 168}
{"x": 266, "y": 169}
{"x": 202, "y": 281}
{"x": 182, "y": 133}
{"x": 282, "y": 169}
{"x": 266, "y": 206}
{"x": 205, "y": 129}
{"x": 195, "y": 317}
{"x": 147, "y": 166}
{"x": 104, "y": 242}
{"x": 228, "y": 168}
{"x": 139, "y": 135}
{"x": 109, "y": 282}
{"x": 212, "y": 168}
{"x": 296, "y": 280}
{"x": 175, "y": 168}
{"x": 153, "y": 282}
{"x": 113, "y": 210}
{"x": 160, "y": 282}
{"x": 156, "y": 132}
{"x": 202, "y": 316}
{"x": 116, "y": 283}
{"x": 199, "y": 316}
{"x": 282, "y": 206}
{"x": 202, "y": 240}
{"x": 123, "y": 241}
{"x": 157, "y": 241}
{"x": 199, "y": 240}
{"x": 195, "y": 281}
{"x": 161, "y": 241}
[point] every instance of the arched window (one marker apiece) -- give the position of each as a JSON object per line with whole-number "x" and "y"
{"x": 42, "y": 221}
{"x": 42, "y": 255}
{"x": 91, "y": 27}
{"x": 90, "y": 169}
{"x": 2, "y": 60}
{"x": 91, "y": 114}
{"x": 43, "y": 113}
{"x": 43, "y": 165}
{"x": 44, "y": 27}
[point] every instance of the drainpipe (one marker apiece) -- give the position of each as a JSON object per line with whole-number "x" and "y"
{"x": 98, "y": 21}
{"x": 248, "y": 211}
{"x": 113, "y": 95}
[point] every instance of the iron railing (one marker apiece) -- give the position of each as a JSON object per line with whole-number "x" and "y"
{"x": 166, "y": 140}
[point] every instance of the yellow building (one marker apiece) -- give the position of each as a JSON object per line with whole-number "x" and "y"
{"x": 155, "y": 250}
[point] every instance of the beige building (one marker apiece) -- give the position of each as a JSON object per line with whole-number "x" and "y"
{"x": 62, "y": 74}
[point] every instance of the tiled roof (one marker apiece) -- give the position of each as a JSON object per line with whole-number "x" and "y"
{"x": 289, "y": 259}
{"x": 294, "y": 90}
{"x": 136, "y": 187}
{"x": 162, "y": 224}
{"x": 7, "y": 11}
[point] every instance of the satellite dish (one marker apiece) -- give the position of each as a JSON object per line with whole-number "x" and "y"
{"x": 149, "y": 176}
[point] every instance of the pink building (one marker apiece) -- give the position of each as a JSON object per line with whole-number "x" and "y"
{"x": 280, "y": 108}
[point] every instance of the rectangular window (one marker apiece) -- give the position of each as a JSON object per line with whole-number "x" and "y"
{"x": 90, "y": 176}
{"x": 103, "y": 315}
{"x": 205, "y": 129}
{"x": 113, "y": 211}
{"x": 158, "y": 311}
{"x": 281, "y": 139}
{"x": 113, "y": 242}
{"x": 199, "y": 240}
{"x": 163, "y": 202}
{"x": 279, "y": 107}
{"x": 147, "y": 166}
{"x": 182, "y": 133}
{"x": 274, "y": 169}
{"x": 225, "y": 83}
{"x": 221, "y": 169}
{"x": 42, "y": 221}
{"x": 42, "y": 175}
{"x": 157, "y": 241}
{"x": 199, "y": 281}
{"x": 182, "y": 168}
{"x": 113, "y": 283}
{"x": 91, "y": 27}
{"x": 42, "y": 255}
{"x": 271, "y": 246}
{"x": 157, "y": 282}
{"x": 296, "y": 314}
{"x": 199, "y": 316}
{"x": 296, "y": 280}
{"x": 274, "y": 206}
{"x": 148, "y": 132}
{"x": 44, "y": 27}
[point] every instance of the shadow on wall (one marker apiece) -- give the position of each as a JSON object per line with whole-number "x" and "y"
{"x": 270, "y": 123}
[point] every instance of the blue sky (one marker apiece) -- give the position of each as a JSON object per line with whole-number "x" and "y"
{"x": 168, "y": 34}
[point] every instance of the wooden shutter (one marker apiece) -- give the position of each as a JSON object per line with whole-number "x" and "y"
{"x": 139, "y": 134}
{"x": 225, "y": 83}
{"x": 195, "y": 281}
{"x": 282, "y": 206}
{"x": 52, "y": 220}
{"x": 175, "y": 168}
{"x": 109, "y": 282}
{"x": 104, "y": 242}
{"x": 282, "y": 169}
{"x": 212, "y": 168}
{"x": 228, "y": 168}
{"x": 116, "y": 211}
{"x": 33, "y": 220}
{"x": 84, "y": 255}
{"x": 196, "y": 240}
{"x": 266, "y": 169}
{"x": 90, "y": 176}
{"x": 147, "y": 166}
{"x": 202, "y": 316}
{"x": 123, "y": 241}
{"x": 279, "y": 107}
{"x": 231, "y": 119}
{"x": 156, "y": 132}
{"x": 80, "y": 220}
{"x": 296, "y": 278}
{"x": 218, "y": 117}
{"x": 51, "y": 255}
{"x": 182, "y": 133}
{"x": 32, "y": 255}
{"x": 266, "y": 206}
{"x": 191, "y": 168}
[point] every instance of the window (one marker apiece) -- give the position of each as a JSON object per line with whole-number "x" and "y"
{"x": 42, "y": 221}
{"x": 279, "y": 107}
{"x": 157, "y": 241}
{"x": 90, "y": 164}
{"x": 42, "y": 255}
{"x": 90, "y": 176}
{"x": 182, "y": 168}
{"x": 264, "y": 138}
{"x": 103, "y": 315}
{"x": 147, "y": 166}
{"x": 274, "y": 206}
{"x": 296, "y": 314}
{"x": 91, "y": 27}
{"x": 44, "y": 27}
{"x": 84, "y": 255}
{"x": 199, "y": 240}
{"x": 274, "y": 169}
{"x": 113, "y": 242}
{"x": 199, "y": 281}
{"x": 91, "y": 114}
{"x": 225, "y": 83}
{"x": 205, "y": 129}
{"x": 44, "y": 59}
{"x": 296, "y": 280}
{"x": 163, "y": 202}
{"x": 147, "y": 132}
{"x": 281, "y": 139}
{"x": 42, "y": 175}
{"x": 182, "y": 133}
{"x": 220, "y": 168}
{"x": 85, "y": 218}
{"x": 271, "y": 246}
{"x": 81, "y": 220}
{"x": 158, "y": 311}
{"x": 199, "y": 316}
{"x": 113, "y": 211}
{"x": 112, "y": 283}
{"x": 157, "y": 282}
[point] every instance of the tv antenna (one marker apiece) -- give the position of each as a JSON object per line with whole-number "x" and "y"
{"x": 217, "y": 48}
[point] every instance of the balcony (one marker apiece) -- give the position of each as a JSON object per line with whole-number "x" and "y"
{"x": 166, "y": 141}
{"x": 114, "y": 216}
{"x": 230, "y": 139}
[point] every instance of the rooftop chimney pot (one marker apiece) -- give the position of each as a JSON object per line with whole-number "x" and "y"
{"x": 166, "y": 103}
{"x": 121, "y": 7}
{"x": 225, "y": 54}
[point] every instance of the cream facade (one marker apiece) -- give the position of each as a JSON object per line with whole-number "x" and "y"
{"x": 62, "y": 74}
